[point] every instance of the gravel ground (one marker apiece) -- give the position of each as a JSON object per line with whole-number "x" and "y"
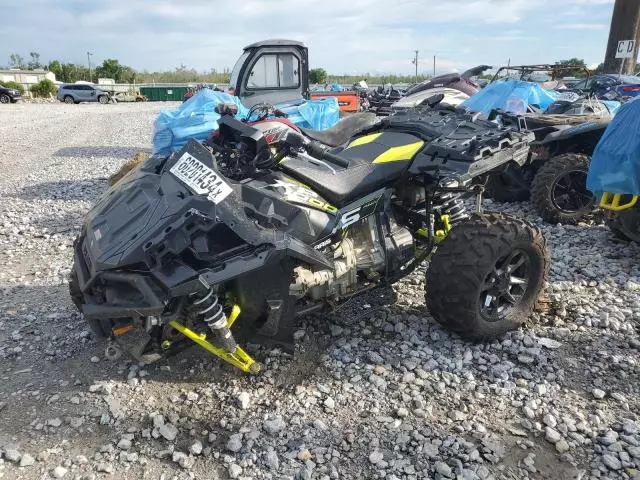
{"x": 375, "y": 390}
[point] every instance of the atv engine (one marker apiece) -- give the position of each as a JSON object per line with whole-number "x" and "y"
{"x": 362, "y": 251}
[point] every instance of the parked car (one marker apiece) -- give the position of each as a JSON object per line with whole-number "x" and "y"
{"x": 82, "y": 92}
{"x": 9, "y": 95}
{"x": 129, "y": 97}
{"x": 623, "y": 85}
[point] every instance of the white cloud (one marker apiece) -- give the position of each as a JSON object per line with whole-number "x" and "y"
{"x": 353, "y": 36}
{"x": 581, "y": 26}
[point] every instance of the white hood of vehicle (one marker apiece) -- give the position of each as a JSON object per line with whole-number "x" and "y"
{"x": 451, "y": 96}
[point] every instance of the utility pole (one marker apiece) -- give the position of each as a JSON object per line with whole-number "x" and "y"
{"x": 415, "y": 62}
{"x": 89, "y": 62}
{"x": 434, "y": 65}
{"x": 625, "y": 25}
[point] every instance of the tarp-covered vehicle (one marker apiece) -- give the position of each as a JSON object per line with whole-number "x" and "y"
{"x": 614, "y": 174}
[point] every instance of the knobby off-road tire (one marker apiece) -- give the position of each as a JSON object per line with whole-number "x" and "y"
{"x": 549, "y": 191}
{"x": 465, "y": 263}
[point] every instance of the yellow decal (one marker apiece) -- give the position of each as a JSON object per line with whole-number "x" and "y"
{"x": 364, "y": 140}
{"x": 398, "y": 154}
{"x": 296, "y": 192}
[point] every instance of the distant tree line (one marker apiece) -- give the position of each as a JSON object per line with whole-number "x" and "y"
{"x": 112, "y": 68}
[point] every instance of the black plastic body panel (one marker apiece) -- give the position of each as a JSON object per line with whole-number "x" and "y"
{"x": 152, "y": 227}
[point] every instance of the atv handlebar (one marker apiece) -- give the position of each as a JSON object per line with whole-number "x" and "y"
{"x": 315, "y": 149}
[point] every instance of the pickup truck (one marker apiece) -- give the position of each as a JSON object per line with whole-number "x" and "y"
{"x": 277, "y": 71}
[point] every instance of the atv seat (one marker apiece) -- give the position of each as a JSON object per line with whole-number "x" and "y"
{"x": 375, "y": 161}
{"x": 342, "y": 131}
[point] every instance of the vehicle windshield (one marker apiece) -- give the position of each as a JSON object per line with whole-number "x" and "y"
{"x": 630, "y": 79}
{"x": 235, "y": 73}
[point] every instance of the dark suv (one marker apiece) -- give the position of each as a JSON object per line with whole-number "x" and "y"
{"x": 80, "y": 92}
{"x": 9, "y": 95}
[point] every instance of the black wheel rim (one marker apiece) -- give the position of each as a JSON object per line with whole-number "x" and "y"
{"x": 569, "y": 193}
{"x": 505, "y": 286}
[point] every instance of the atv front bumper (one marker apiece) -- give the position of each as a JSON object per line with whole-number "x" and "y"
{"x": 133, "y": 285}
{"x": 614, "y": 201}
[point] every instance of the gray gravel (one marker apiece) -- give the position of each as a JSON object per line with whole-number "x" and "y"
{"x": 375, "y": 390}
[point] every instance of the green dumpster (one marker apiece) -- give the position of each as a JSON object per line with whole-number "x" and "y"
{"x": 164, "y": 94}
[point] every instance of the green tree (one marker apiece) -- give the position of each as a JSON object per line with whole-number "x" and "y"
{"x": 128, "y": 75}
{"x": 111, "y": 68}
{"x": 317, "y": 75}
{"x": 577, "y": 72}
{"x": 16, "y": 61}
{"x": 44, "y": 88}
{"x": 13, "y": 86}
{"x": 55, "y": 67}
{"x": 35, "y": 61}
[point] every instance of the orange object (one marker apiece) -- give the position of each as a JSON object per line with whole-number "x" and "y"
{"x": 348, "y": 101}
{"x": 117, "y": 331}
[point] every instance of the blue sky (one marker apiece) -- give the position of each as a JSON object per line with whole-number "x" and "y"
{"x": 354, "y": 36}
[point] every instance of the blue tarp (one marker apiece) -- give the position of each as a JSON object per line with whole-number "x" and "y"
{"x": 615, "y": 165}
{"x": 336, "y": 87}
{"x": 316, "y": 114}
{"x": 196, "y": 118}
{"x": 514, "y": 96}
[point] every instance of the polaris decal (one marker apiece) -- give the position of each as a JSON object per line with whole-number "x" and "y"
{"x": 300, "y": 194}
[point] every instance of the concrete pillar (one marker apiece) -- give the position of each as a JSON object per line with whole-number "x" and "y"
{"x": 625, "y": 25}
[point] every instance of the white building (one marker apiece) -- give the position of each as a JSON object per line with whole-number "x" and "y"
{"x": 26, "y": 78}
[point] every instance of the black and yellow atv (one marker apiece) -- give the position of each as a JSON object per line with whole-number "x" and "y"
{"x": 236, "y": 237}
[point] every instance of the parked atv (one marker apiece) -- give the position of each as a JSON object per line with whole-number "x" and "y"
{"x": 614, "y": 176}
{"x": 235, "y": 238}
{"x": 555, "y": 175}
{"x": 381, "y": 100}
